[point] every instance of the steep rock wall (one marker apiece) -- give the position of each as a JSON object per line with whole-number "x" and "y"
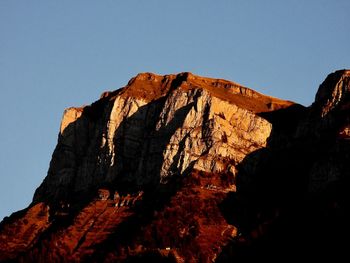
{"x": 154, "y": 129}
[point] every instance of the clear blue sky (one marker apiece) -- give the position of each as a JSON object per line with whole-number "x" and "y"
{"x": 56, "y": 54}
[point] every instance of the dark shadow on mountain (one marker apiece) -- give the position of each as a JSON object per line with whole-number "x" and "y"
{"x": 277, "y": 215}
{"x": 77, "y": 147}
{"x": 157, "y": 194}
{"x": 80, "y": 144}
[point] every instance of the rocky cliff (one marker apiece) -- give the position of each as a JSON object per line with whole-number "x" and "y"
{"x": 186, "y": 168}
{"x": 155, "y": 129}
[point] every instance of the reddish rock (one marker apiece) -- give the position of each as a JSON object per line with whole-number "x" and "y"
{"x": 200, "y": 169}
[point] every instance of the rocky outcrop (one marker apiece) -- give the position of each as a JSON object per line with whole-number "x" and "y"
{"x": 331, "y": 116}
{"x": 154, "y": 129}
{"x": 333, "y": 93}
{"x": 186, "y": 168}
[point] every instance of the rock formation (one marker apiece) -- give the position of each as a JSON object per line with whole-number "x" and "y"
{"x": 186, "y": 168}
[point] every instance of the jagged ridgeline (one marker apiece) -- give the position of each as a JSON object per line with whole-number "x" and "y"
{"x": 184, "y": 168}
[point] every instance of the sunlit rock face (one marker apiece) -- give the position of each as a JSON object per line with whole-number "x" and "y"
{"x": 183, "y": 168}
{"x": 154, "y": 129}
{"x": 333, "y": 93}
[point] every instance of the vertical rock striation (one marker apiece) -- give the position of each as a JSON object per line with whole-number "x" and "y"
{"x": 154, "y": 129}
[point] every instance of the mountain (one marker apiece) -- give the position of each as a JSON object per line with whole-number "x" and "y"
{"x": 182, "y": 168}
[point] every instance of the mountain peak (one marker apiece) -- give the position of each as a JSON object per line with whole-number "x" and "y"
{"x": 177, "y": 168}
{"x": 334, "y": 92}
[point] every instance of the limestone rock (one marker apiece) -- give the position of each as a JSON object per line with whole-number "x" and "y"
{"x": 154, "y": 129}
